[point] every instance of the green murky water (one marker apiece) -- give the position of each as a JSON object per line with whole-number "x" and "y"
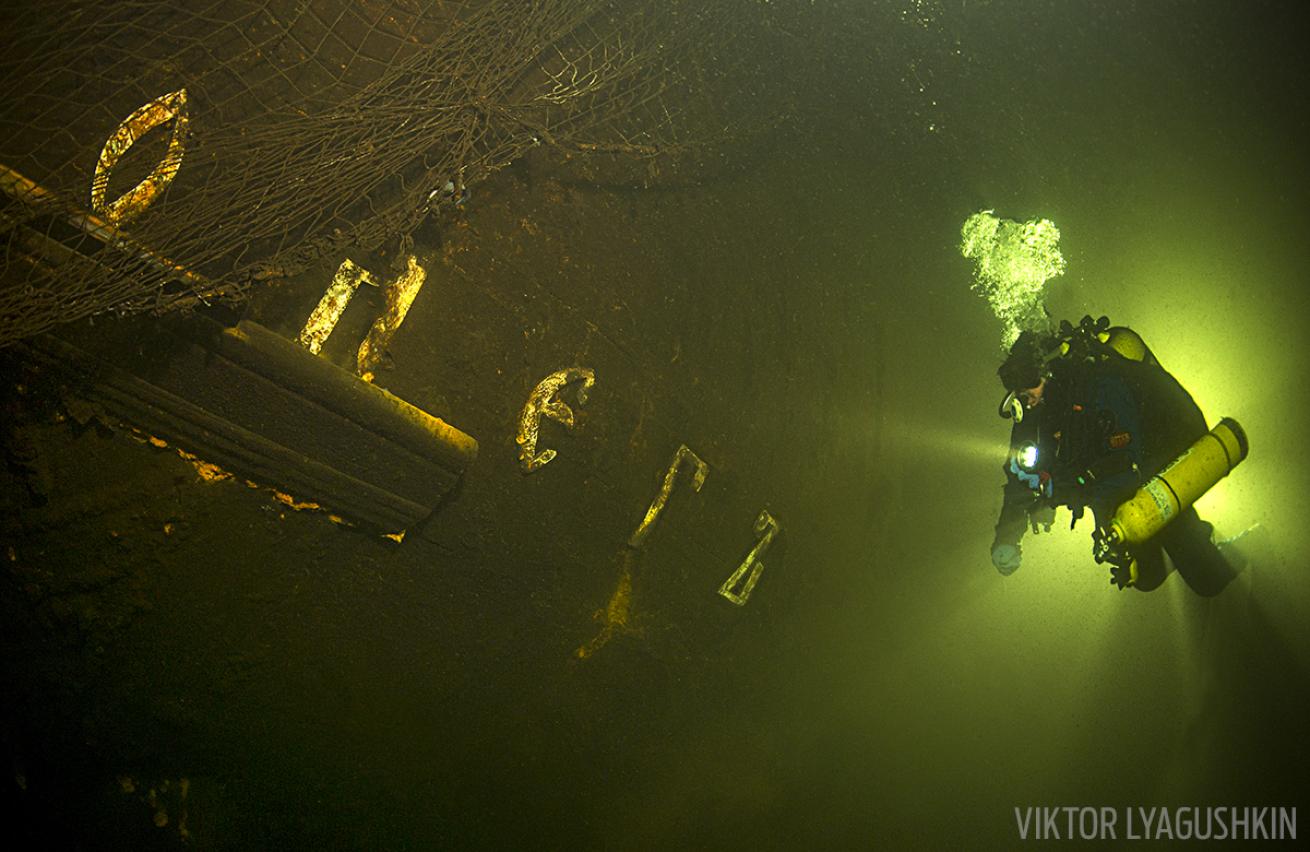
{"x": 803, "y": 319}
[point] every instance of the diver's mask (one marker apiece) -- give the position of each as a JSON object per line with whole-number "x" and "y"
{"x": 1011, "y": 407}
{"x": 1014, "y": 404}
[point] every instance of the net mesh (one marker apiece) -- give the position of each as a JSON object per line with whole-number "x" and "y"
{"x": 155, "y": 154}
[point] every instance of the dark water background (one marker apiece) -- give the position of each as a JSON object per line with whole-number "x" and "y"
{"x": 802, "y": 318}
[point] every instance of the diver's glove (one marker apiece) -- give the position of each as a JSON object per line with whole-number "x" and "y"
{"x": 1038, "y": 481}
{"x": 1031, "y": 479}
{"x": 1123, "y": 567}
{"x": 1041, "y": 518}
{"x": 1123, "y": 575}
{"x": 1006, "y": 558}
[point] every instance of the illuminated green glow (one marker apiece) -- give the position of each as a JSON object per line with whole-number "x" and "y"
{"x": 1013, "y": 260}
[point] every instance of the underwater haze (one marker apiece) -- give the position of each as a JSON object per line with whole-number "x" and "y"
{"x": 800, "y": 315}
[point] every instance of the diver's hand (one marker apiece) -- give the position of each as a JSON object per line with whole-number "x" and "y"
{"x": 1041, "y": 518}
{"x": 1006, "y": 558}
{"x": 1029, "y": 478}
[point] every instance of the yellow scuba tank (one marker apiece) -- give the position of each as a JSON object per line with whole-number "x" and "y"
{"x": 1116, "y": 338}
{"x": 1127, "y": 343}
{"x": 1171, "y": 491}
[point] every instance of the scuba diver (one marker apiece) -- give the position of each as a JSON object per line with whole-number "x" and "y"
{"x": 1095, "y": 417}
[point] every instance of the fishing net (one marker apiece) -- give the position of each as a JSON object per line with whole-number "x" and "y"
{"x": 161, "y": 153}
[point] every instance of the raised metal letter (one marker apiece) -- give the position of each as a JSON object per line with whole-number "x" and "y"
{"x": 657, "y": 505}
{"x": 399, "y": 295}
{"x": 753, "y": 563}
{"x": 544, "y": 401}
{"x": 616, "y": 617}
{"x": 328, "y": 311}
{"x": 146, "y": 118}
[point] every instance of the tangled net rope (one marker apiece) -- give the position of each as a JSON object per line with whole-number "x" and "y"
{"x": 159, "y": 153}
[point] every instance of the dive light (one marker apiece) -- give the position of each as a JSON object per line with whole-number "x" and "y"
{"x": 1027, "y": 456}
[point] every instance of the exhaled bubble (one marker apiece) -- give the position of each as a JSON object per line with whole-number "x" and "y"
{"x": 1012, "y": 262}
